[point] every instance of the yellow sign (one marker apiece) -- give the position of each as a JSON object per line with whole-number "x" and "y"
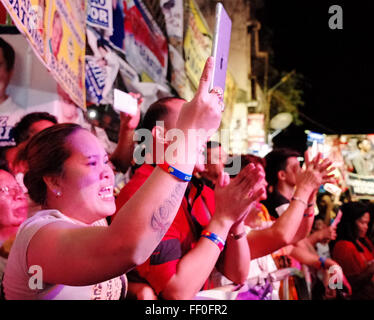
{"x": 197, "y": 44}
{"x": 56, "y": 31}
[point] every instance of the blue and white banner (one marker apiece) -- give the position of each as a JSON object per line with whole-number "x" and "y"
{"x": 361, "y": 187}
{"x": 100, "y": 14}
{"x": 95, "y": 80}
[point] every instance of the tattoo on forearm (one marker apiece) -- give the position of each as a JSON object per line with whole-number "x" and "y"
{"x": 160, "y": 218}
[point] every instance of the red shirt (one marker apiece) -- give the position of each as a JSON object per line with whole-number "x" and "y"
{"x": 350, "y": 259}
{"x": 182, "y": 235}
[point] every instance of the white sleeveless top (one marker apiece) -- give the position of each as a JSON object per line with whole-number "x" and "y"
{"x": 16, "y": 277}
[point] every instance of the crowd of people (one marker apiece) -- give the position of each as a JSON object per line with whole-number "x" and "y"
{"x": 175, "y": 230}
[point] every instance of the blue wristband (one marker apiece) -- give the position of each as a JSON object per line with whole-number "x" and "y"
{"x": 322, "y": 260}
{"x": 175, "y": 172}
{"x": 215, "y": 238}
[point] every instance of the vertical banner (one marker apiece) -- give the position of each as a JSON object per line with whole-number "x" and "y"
{"x": 256, "y": 133}
{"x": 56, "y": 31}
{"x": 197, "y": 43}
{"x": 173, "y": 14}
{"x": 65, "y": 46}
{"x": 4, "y": 16}
{"x": 100, "y": 14}
{"x": 179, "y": 80}
{"x": 353, "y": 156}
{"x": 145, "y": 45}
{"x": 230, "y": 90}
{"x": 238, "y": 129}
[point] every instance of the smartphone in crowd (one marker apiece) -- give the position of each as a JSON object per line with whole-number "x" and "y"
{"x": 124, "y": 102}
{"x": 221, "y": 46}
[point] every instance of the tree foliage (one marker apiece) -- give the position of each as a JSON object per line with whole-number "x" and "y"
{"x": 288, "y": 97}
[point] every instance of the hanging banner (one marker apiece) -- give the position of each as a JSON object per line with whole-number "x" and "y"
{"x": 65, "y": 50}
{"x": 256, "y": 133}
{"x": 173, "y": 14}
{"x": 179, "y": 80}
{"x": 230, "y": 90}
{"x": 95, "y": 80}
{"x": 353, "y": 156}
{"x": 100, "y": 14}
{"x": 360, "y": 187}
{"x": 56, "y": 31}
{"x": 197, "y": 43}
{"x": 355, "y": 151}
{"x": 145, "y": 45}
{"x": 4, "y": 16}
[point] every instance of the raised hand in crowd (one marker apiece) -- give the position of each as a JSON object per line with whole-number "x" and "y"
{"x": 123, "y": 154}
{"x": 70, "y": 175}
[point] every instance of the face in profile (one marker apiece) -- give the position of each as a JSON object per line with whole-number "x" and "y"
{"x": 87, "y": 180}
{"x": 292, "y": 170}
{"x": 13, "y": 202}
{"x": 362, "y": 224}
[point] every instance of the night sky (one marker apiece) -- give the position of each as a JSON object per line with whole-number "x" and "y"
{"x": 338, "y": 65}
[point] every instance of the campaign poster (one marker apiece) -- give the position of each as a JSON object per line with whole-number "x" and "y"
{"x": 197, "y": 43}
{"x": 230, "y": 91}
{"x": 179, "y": 80}
{"x": 360, "y": 187}
{"x": 353, "y": 156}
{"x": 173, "y": 14}
{"x": 56, "y": 31}
{"x": 145, "y": 45}
{"x": 100, "y": 14}
{"x": 65, "y": 46}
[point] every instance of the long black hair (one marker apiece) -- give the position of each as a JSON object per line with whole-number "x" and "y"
{"x": 347, "y": 229}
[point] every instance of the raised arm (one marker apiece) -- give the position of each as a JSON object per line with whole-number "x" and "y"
{"x": 294, "y": 223}
{"x": 234, "y": 261}
{"x": 195, "y": 267}
{"x": 306, "y": 254}
{"x": 123, "y": 154}
{"x": 75, "y": 255}
{"x": 325, "y": 234}
{"x": 324, "y": 170}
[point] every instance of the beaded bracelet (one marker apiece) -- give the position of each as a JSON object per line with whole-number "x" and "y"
{"x": 299, "y": 199}
{"x": 175, "y": 172}
{"x": 215, "y": 238}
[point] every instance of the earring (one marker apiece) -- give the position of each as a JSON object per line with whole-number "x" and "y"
{"x": 58, "y": 194}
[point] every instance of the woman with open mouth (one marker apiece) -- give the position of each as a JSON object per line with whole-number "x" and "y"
{"x": 67, "y": 250}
